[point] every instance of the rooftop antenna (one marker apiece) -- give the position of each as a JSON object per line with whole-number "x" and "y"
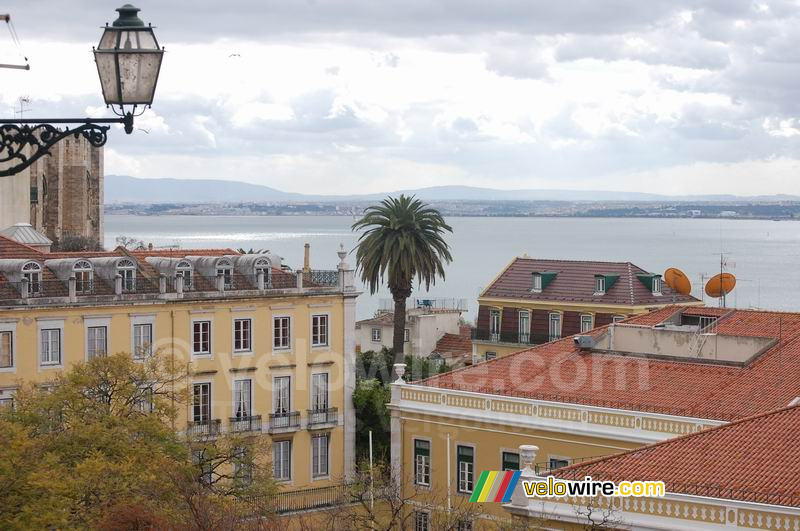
{"x": 15, "y": 38}
{"x": 23, "y": 101}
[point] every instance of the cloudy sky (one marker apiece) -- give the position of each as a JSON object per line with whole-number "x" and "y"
{"x": 349, "y": 96}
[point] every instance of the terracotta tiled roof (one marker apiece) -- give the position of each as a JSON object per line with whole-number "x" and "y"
{"x": 756, "y": 459}
{"x": 559, "y": 371}
{"x": 453, "y": 345}
{"x": 382, "y": 319}
{"x": 13, "y": 249}
{"x": 575, "y": 282}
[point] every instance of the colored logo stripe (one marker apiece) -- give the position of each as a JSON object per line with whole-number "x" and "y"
{"x": 495, "y": 486}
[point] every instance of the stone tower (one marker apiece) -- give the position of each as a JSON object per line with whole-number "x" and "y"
{"x": 67, "y": 191}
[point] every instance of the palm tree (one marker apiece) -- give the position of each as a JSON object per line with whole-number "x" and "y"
{"x": 402, "y": 240}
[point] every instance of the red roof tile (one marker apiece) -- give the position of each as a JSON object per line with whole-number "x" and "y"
{"x": 756, "y": 459}
{"x": 454, "y": 345}
{"x": 13, "y": 249}
{"x": 575, "y": 282}
{"x": 560, "y": 372}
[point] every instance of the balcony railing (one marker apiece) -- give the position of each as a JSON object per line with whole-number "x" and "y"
{"x": 318, "y": 278}
{"x": 322, "y": 417}
{"x": 293, "y": 501}
{"x": 284, "y": 421}
{"x": 245, "y": 424}
{"x": 510, "y": 337}
{"x": 203, "y": 428}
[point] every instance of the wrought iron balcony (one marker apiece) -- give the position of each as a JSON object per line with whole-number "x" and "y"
{"x": 319, "y": 278}
{"x": 320, "y": 418}
{"x": 516, "y": 338}
{"x": 245, "y": 424}
{"x": 203, "y": 428}
{"x": 284, "y": 421}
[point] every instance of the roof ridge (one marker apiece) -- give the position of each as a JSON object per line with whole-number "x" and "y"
{"x": 705, "y": 432}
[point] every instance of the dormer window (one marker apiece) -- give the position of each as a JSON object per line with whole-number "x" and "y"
{"x": 225, "y": 268}
{"x": 262, "y": 265}
{"x": 656, "y": 285}
{"x": 33, "y": 273}
{"x": 184, "y": 269}
{"x": 599, "y": 285}
{"x": 127, "y": 270}
{"x": 84, "y": 276}
{"x": 537, "y": 283}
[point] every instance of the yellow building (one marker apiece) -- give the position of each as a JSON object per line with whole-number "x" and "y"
{"x": 268, "y": 350}
{"x": 533, "y": 301}
{"x": 671, "y": 372}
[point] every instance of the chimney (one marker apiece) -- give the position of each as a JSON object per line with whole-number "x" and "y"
{"x": 307, "y": 258}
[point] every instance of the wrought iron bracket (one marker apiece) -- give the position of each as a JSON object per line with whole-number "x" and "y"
{"x": 24, "y": 141}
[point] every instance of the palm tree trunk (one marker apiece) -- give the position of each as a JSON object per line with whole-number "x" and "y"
{"x": 398, "y": 340}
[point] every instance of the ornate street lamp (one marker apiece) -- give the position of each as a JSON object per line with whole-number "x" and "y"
{"x": 128, "y": 63}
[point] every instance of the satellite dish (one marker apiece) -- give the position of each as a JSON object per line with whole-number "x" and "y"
{"x": 677, "y": 280}
{"x": 720, "y": 285}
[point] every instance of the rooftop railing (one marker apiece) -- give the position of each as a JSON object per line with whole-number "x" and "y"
{"x": 519, "y": 338}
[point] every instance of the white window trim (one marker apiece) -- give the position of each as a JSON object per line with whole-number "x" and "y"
{"x": 380, "y": 334}
{"x": 143, "y": 320}
{"x": 234, "y": 351}
{"x": 429, "y": 440}
{"x": 252, "y": 396}
{"x": 599, "y": 291}
{"x": 534, "y": 287}
{"x": 311, "y": 389}
{"x": 210, "y": 353}
{"x": 272, "y": 334}
{"x": 328, "y": 454}
{"x": 49, "y": 324}
{"x": 210, "y": 399}
{"x": 12, "y": 327}
{"x": 422, "y": 511}
{"x": 591, "y": 322}
{"x": 272, "y": 408}
{"x": 327, "y": 333}
{"x": 560, "y": 325}
{"x": 618, "y": 318}
{"x": 657, "y": 292}
{"x": 285, "y": 481}
{"x": 92, "y": 322}
{"x": 474, "y": 466}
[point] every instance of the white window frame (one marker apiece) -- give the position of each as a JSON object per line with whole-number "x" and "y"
{"x": 377, "y": 338}
{"x": 288, "y": 345}
{"x": 315, "y": 338}
{"x": 618, "y": 318}
{"x": 50, "y": 324}
{"x": 524, "y": 332}
{"x": 249, "y": 348}
{"x": 422, "y": 466}
{"x": 83, "y": 269}
{"x": 128, "y": 274}
{"x": 277, "y": 399}
{"x": 182, "y": 268}
{"x": 143, "y": 319}
{"x": 657, "y": 286}
{"x": 11, "y": 329}
{"x": 210, "y": 402}
{"x": 554, "y": 317}
{"x": 495, "y": 322}
{"x": 406, "y": 335}
{"x": 316, "y": 469}
{"x": 422, "y": 520}
{"x": 537, "y": 283}
{"x": 465, "y": 471}
{"x": 96, "y": 341}
{"x": 202, "y": 354}
{"x": 142, "y": 347}
{"x": 92, "y": 322}
{"x": 242, "y": 394}
{"x": 33, "y": 272}
{"x": 259, "y": 265}
{"x": 320, "y": 391}
{"x": 284, "y": 448}
{"x": 587, "y": 322}
{"x": 599, "y": 285}
{"x": 225, "y": 267}
{"x": 489, "y": 355}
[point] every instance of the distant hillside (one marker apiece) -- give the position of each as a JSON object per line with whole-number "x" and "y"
{"x": 124, "y": 189}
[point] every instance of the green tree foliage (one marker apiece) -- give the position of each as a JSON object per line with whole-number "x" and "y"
{"x": 402, "y": 239}
{"x": 98, "y": 449}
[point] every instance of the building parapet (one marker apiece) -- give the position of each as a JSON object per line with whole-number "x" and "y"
{"x": 621, "y": 424}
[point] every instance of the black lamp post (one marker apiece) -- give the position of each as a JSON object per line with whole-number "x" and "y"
{"x": 128, "y": 63}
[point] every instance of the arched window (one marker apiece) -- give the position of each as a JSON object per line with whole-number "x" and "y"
{"x": 83, "y": 276}
{"x": 127, "y": 270}
{"x": 33, "y": 272}
{"x": 225, "y": 268}
{"x": 262, "y": 265}
{"x": 184, "y": 269}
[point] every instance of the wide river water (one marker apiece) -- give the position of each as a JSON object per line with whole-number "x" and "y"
{"x": 764, "y": 255}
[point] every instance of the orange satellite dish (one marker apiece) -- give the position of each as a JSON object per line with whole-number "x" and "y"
{"x": 720, "y": 285}
{"x": 677, "y": 280}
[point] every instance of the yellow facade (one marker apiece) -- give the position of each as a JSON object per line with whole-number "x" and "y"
{"x": 491, "y": 425}
{"x": 49, "y": 335}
